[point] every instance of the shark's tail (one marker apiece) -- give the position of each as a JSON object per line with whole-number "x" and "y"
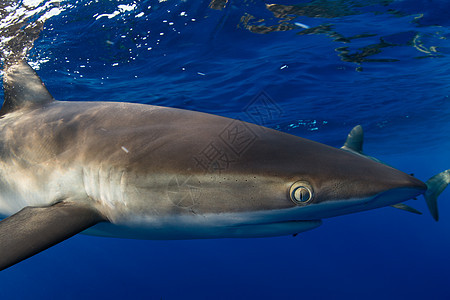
{"x": 436, "y": 186}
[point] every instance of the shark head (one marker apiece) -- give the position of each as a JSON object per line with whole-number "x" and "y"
{"x": 283, "y": 182}
{"x": 331, "y": 182}
{"x": 280, "y": 184}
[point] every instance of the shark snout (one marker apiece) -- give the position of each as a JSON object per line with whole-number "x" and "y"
{"x": 375, "y": 188}
{"x": 388, "y": 186}
{"x": 414, "y": 183}
{"x": 362, "y": 178}
{"x": 353, "y": 183}
{"x": 393, "y": 179}
{"x": 406, "y": 189}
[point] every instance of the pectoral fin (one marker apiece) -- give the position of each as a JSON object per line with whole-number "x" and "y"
{"x": 34, "y": 229}
{"x": 406, "y": 208}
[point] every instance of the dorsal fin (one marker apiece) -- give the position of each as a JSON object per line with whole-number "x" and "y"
{"x": 355, "y": 140}
{"x": 354, "y": 144}
{"x": 23, "y": 88}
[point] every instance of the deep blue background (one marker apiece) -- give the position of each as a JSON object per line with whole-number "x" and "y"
{"x": 392, "y": 76}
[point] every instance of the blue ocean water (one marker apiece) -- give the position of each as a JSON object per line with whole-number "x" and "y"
{"x": 313, "y": 69}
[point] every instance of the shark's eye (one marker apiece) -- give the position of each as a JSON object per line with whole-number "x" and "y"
{"x": 301, "y": 192}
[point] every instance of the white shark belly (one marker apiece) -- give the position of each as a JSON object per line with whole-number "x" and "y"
{"x": 240, "y": 225}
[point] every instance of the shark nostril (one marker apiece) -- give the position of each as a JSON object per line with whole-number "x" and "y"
{"x": 301, "y": 193}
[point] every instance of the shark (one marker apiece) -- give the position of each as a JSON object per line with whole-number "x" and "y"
{"x": 148, "y": 172}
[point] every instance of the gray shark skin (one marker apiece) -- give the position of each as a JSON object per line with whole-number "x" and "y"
{"x": 148, "y": 172}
